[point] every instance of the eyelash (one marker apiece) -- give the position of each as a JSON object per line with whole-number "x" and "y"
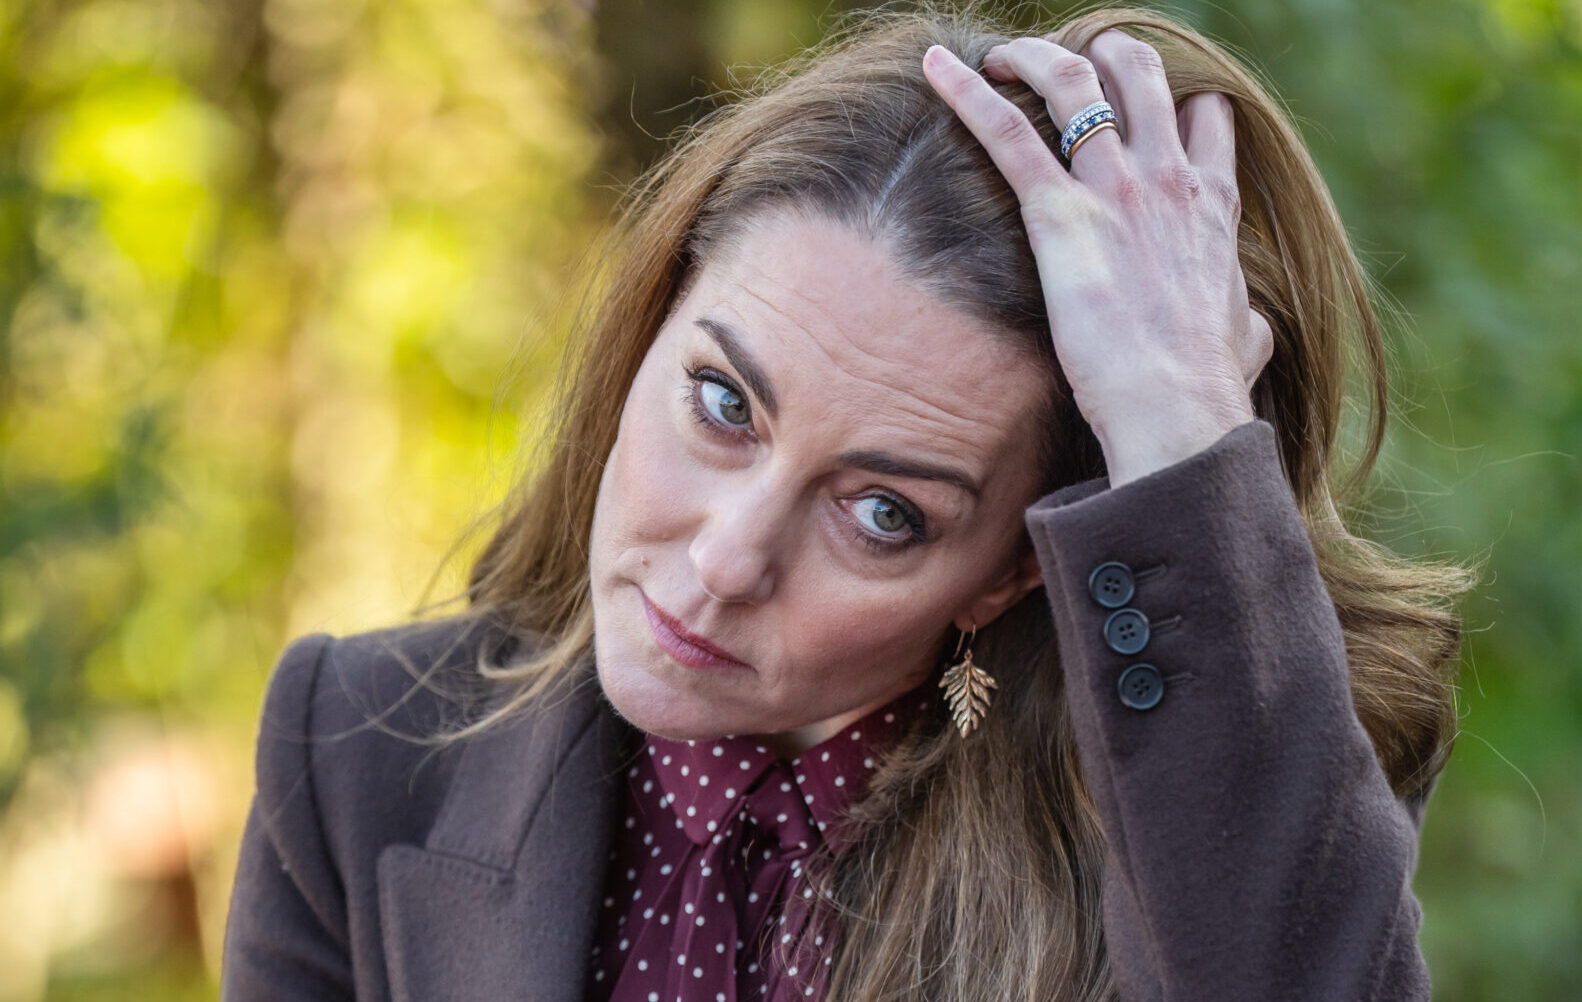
{"x": 699, "y": 412}
{"x": 914, "y": 518}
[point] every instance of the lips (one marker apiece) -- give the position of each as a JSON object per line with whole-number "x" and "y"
{"x": 683, "y": 645}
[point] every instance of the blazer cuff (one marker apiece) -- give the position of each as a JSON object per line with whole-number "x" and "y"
{"x": 1203, "y": 573}
{"x": 1195, "y": 633}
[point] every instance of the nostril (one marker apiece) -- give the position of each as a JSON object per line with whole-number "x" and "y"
{"x": 730, "y": 571}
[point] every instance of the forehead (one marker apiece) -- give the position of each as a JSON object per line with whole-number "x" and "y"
{"x": 843, "y": 334}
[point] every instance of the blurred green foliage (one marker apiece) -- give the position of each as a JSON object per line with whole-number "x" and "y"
{"x": 277, "y": 278}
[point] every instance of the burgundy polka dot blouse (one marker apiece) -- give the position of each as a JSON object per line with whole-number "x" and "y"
{"x": 705, "y": 897}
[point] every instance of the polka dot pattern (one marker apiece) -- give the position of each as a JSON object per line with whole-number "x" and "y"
{"x": 706, "y": 893}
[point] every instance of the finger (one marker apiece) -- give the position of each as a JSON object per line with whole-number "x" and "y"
{"x": 1208, "y": 130}
{"x": 1016, "y": 148}
{"x": 1068, "y": 83}
{"x": 1134, "y": 79}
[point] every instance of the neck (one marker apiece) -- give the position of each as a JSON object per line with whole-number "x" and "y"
{"x": 793, "y": 741}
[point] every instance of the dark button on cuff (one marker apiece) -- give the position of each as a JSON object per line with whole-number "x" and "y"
{"x": 1126, "y": 631}
{"x": 1111, "y": 584}
{"x": 1142, "y": 687}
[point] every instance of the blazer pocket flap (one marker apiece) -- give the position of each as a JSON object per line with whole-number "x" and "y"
{"x": 458, "y": 931}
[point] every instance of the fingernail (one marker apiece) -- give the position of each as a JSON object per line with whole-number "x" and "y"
{"x": 936, "y": 55}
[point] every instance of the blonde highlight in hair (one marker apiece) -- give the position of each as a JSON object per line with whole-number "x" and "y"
{"x": 990, "y": 847}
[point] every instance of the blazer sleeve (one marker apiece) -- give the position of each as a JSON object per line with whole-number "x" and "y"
{"x": 286, "y": 933}
{"x": 1255, "y": 848}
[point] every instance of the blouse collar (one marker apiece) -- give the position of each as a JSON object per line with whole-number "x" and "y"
{"x": 705, "y": 782}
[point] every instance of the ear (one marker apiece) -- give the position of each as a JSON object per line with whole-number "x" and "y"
{"x": 1022, "y": 577}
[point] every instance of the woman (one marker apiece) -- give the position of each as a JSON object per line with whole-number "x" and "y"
{"x": 934, "y": 589}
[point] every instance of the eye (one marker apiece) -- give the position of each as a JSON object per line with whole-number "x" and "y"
{"x": 885, "y": 517}
{"x": 723, "y": 403}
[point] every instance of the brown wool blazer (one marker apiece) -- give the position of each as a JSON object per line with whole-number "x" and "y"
{"x": 1256, "y": 851}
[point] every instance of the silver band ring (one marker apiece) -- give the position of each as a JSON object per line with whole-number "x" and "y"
{"x": 1096, "y": 106}
{"x": 1082, "y": 123}
{"x": 1098, "y": 109}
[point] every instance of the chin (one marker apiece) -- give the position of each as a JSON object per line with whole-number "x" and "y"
{"x": 650, "y": 703}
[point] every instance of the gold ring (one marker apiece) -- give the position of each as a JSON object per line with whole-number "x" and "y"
{"x": 1089, "y": 135}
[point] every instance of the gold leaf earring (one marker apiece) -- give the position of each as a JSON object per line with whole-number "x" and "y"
{"x": 967, "y": 688}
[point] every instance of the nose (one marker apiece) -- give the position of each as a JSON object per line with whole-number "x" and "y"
{"x": 733, "y": 552}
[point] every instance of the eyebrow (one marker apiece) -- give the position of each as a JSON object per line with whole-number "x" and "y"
{"x": 881, "y": 463}
{"x": 741, "y": 360}
{"x": 891, "y": 466}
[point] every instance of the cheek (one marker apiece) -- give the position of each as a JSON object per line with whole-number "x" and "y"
{"x": 850, "y": 639}
{"x": 648, "y": 479}
{"x": 853, "y": 640}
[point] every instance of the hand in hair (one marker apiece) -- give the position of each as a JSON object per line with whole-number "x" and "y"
{"x": 1136, "y": 244}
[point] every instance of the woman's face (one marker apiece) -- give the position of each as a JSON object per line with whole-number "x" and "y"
{"x": 819, "y": 469}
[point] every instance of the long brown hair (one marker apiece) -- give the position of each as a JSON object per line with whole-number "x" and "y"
{"x": 852, "y": 131}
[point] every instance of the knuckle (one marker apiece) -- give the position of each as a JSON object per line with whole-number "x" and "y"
{"x": 1181, "y": 180}
{"x": 1049, "y": 216}
{"x": 1026, "y": 51}
{"x": 1040, "y": 220}
{"x": 1128, "y": 189}
{"x": 1120, "y": 48}
{"x": 1035, "y": 175}
{"x": 1143, "y": 56}
{"x": 1008, "y": 125}
{"x": 1073, "y": 72}
{"x": 1226, "y": 190}
{"x": 1108, "y": 42}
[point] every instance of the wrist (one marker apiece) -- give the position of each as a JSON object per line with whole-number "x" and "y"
{"x": 1150, "y": 440}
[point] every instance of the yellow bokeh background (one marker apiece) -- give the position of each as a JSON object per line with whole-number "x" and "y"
{"x": 283, "y": 284}
{"x": 277, "y": 263}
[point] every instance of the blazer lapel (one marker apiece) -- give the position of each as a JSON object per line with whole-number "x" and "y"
{"x": 502, "y": 900}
